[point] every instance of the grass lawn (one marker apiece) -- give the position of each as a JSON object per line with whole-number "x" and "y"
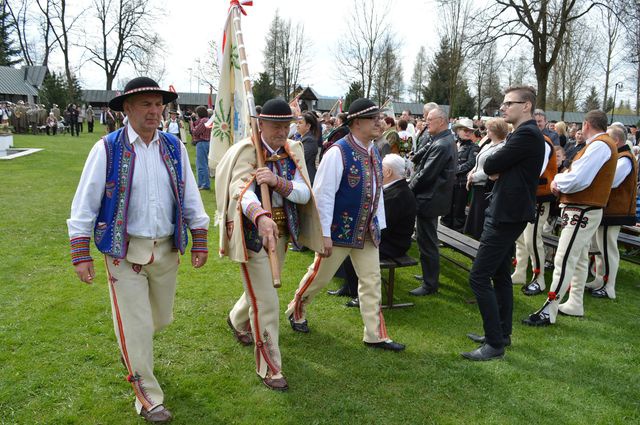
{"x": 59, "y": 359}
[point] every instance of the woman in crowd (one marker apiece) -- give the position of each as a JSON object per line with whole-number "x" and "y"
{"x": 406, "y": 140}
{"x": 309, "y": 131}
{"x": 200, "y": 135}
{"x": 561, "y": 129}
{"x": 478, "y": 182}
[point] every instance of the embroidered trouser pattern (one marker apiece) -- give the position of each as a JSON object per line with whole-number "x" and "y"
{"x": 258, "y": 308}
{"x": 530, "y": 246}
{"x": 608, "y": 260}
{"x": 366, "y": 263}
{"x": 572, "y": 258}
{"x": 142, "y": 304}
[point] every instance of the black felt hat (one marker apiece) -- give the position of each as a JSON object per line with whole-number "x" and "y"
{"x": 276, "y": 110}
{"x": 362, "y": 108}
{"x": 141, "y": 85}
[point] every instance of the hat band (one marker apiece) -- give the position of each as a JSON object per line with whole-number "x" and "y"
{"x": 275, "y": 116}
{"x": 356, "y": 114}
{"x": 150, "y": 88}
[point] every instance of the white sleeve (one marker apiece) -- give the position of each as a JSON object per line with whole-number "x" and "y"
{"x": 623, "y": 168}
{"x": 547, "y": 154}
{"x": 325, "y": 187}
{"x": 88, "y": 197}
{"x": 249, "y": 197}
{"x": 382, "y": 219}
{"x": 584, "y": 170}
{"x": 300, "y": 193}
{"x": 194, "y": 213}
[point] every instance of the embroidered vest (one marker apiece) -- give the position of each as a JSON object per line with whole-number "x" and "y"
{"x": 543, "y": 193}
{"x": 285, "y": 168}
{"x": 597, "y": 194}
{"x": 354, "y": 211}
{"x": 110, "y": 232}
{"x": 621, "y": 208}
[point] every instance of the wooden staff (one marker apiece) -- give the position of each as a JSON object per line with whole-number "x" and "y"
{"x": 255, "y": 135}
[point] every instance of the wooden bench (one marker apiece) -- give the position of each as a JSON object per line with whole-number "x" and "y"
{"x": 392, "y": 264}
{"x": 459, "y": 242}
{"x": 629, "y": 241}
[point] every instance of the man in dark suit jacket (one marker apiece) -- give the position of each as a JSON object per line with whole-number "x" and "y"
{"x": 516, "y": 170}
{"x": 400, "y": 215}
{"x": 432, "y": 185}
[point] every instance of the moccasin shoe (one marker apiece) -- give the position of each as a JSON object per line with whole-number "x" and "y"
{"x": 243, "y": 338}
{"x": 157, "y": 415}
{"x": 484, "y": 352}
{"x": 299, "y": 327}
{"x": 276, "y": 384}
{"x": 386, "y": 345}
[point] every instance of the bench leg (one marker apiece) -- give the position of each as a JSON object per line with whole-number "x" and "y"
{"x": 390, "y": 287}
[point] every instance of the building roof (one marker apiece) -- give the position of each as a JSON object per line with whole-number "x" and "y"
{"x": 578, "y": 117}
{"x": 104, "y": 96}
{"x": 324, "y": 104}
{"x": 14, "y": 80}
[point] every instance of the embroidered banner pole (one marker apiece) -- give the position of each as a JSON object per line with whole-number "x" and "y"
{"x": 234, "y": 12}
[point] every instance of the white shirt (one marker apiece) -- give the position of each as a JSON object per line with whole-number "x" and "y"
{"x": 299, "y": 195}
{"x": 623, "y": 168}
{"x": 584, "y": 169}
{"x": 327, "y": 182}
{"x": 173, "y": 127}
{"x": 478, "y": 176}
{"x": 151, "y": 203}
{"x": 547, "y": 153}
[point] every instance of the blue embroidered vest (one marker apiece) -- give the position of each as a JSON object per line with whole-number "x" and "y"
{"x": 110, "y": 233}
{"x": 284, "y": 168}
{"x": 354, "y": 211}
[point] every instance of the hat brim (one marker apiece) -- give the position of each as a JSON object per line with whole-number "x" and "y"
{"x": 117, "y": 102}
{"x": 368, "y": 114}
{"x": 457, "y": 127}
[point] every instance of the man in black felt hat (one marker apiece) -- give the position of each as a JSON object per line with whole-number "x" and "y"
{"x": 348, "y": 188}
{"x": 137, "y": 195}
{"x": 251, "y": 230}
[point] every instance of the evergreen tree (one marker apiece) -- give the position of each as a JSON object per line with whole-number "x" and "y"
{"x": 263, "y": 89}
{"x": 56, "y": 90}
{"x": 355, "y": 92}
{"x": 610, "y": 104}
{"x": 463, "y": 105}
{"x": 388, "y": 77}
{"x": 592, "y": 101}
{"x": 9, "y": 55}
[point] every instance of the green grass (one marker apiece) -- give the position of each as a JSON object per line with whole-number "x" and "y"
{"x": 59, "y": 359}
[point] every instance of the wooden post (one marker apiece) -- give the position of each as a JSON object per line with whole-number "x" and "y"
{"x": 255, "y": 133}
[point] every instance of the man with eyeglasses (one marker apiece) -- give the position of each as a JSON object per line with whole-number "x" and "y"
{"x": 432, "y": 185}
{"x": 516, "y": 171}
{"x": 348, "y": 192}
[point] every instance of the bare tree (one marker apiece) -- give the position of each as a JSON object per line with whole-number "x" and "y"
{"x": 359, "y": 51}
{"x": 632, "y": 29}
{"x": 543, "y": 24}
{"x": 485, "y": 65}
{"x": 62, "y": 27}
{"x": 126, "y": 35}
{"x": 208, "y": 67}
{"x": 388, "y": 82}
{"x": 611, "y": 34}
{"x": 419, "y": 76}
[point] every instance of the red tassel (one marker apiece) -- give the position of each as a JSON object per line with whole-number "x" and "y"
{"x": 551, "y": 296}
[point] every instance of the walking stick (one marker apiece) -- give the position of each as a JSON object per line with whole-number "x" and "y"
{"x": 255, "y": 135}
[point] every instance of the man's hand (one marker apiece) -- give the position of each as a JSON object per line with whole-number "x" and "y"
{"x": 494, "y": 177}
{"x": 199, "y": 259}
{"x": 85, "y": 271}
{"x": 328, "y": 248}
{"x": 554, "y": 188}
{"x": 265, "y": 175}
{"x": 268, "y": 230}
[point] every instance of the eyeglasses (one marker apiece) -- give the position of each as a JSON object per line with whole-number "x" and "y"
{"x": 509, "y": 103}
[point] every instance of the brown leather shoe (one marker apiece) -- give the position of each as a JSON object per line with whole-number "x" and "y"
{"x": 243, "y": 338}
{"x": 279, "y": 384}
{"x": 158, "y": 415}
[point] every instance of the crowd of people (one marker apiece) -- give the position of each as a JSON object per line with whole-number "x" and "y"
{"x": 354, "y": 189}
{"x": 33, "y": 118}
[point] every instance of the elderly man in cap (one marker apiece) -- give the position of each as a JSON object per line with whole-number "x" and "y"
{"x": 174, "y": 124}
{"x": 138, "y": 196}
{"x": 249, "y": 230}
{"x": 348, "y": 190}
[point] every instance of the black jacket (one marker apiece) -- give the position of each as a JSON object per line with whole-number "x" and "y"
{"x": 432, "y": 183}
{"x": 513, "y": 198}
{"x": 467, "y": 152}
{"x": 400, "y": 215}
{"x": 310, "y": 145}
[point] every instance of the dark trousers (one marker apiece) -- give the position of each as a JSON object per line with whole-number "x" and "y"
{"x": 427, "y": 238}
{"x": 90, "y": 126}
{"x": 457, "y": 214}
{"x": 493, "y": 261}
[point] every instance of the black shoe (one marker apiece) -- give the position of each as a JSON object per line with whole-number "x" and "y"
{"x": 343, "y": 291}
{"x": 599, "y": 293}
{"x": 421, "y": 291}
{"x": 484, "y": 352}
{"x": 548, "y": 265}
{"x": 537, "y": 319}
{"x": 386, "y": 345}
{"x": 299, "y": 327}
{"x": 353, "y": 303}
{"x": 480, "y": 339}
{"x": 532, "y": 288}
{"x": 158, "y": 415}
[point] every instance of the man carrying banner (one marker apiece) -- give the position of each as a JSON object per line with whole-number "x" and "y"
{"x": 348, "y": 187}
{"x": 248, "y": 231}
